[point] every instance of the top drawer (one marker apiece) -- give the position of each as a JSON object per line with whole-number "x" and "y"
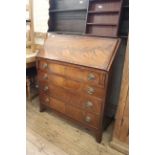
{"x": 76, "y": 73}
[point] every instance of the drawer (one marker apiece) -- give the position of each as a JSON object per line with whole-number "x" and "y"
{"x": 59, "y": 81}
{"x": 76, "y": 73}
{"x": 82, "y": 116}
{"x": 52, "y": 103}
{"x": 58, "y": 105}
{"x": 89, "y": 103}
{"x": 71, "y": 111}
{"x": 72, "y": 85}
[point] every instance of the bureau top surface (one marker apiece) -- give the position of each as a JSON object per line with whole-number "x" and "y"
{"x": 91, "y": 52}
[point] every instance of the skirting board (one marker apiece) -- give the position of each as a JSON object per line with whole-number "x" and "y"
{"x": 120, "y": 146}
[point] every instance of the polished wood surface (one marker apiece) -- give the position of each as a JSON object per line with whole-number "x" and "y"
{"x": 71, "y": 111}
{"x": 72, "y": 97}
{"x": 72, "y": 71}
{"x": 80, "y": 50}
{"x": 69, "y": 84}
{"x": 73, "y": 76}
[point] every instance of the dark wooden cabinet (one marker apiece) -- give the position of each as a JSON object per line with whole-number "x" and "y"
{"x": 103, "y": 17}
{"x": 87, "y": 17}
{"x": 67, "y": 16}
{"x": 73, "y": 74}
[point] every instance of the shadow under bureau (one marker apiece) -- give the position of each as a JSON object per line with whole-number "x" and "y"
{"x": 74, "y": 77}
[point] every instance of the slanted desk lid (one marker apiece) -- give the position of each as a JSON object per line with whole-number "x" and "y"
{"x": 81, "y": 50}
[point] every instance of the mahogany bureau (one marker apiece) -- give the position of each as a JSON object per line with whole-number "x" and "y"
{"x": 73, "y": 75}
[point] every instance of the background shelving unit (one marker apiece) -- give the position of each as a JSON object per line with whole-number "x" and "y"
{"x": 124, "y": 24}
{"x": 68, "y": 16}
{"x": 104, "y": 17}
{"x": 85, "y": 17}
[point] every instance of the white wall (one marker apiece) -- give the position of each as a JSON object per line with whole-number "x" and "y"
{"x": 40, "y": 14}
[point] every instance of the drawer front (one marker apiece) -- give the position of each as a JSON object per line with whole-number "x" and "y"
{"x": 53, "y": 103}
{"x": 82, "y": 116}
{"x": 75, "y": 73}
{"x": 58, "y": 105}
{"x": 72, "y": 85}
{"x": 71, "y": 111}
{"x": 82, "y": 101}
{"x": 59, "y": 81}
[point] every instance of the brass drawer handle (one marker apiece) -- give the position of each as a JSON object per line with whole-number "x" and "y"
{"x": 90, "y": 90}
{"x": 45, "y": 66}
{"x": 88, "y": 104}
{"x": 45, "y": 77}
{"x": 45, "y": 88}
{"x": 91, "y": 76}
{"x": 88, "y": 119}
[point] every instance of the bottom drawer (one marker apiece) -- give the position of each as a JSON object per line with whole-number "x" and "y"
{"x": 71, "y": 111}
{"x": 83, "y": 116}
{"x": 53, "y": 103}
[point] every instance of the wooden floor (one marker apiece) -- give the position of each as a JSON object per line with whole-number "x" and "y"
{"x": 49, "y": 134}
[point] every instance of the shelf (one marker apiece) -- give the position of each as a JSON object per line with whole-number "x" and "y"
{"x": 92, "y": 18}
{"x": 101, "y": 24}
{"x": 68, "y": 10}
{"x": 124, "y": 37}
{"x": 125, "y": 6}
{"x": 104, "y": 12}
{"x": 93, "y": 35}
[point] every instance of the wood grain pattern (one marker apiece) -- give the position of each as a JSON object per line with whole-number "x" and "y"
{"x": 71, "y": 111}
{"x": 73, "y": 74}
{"x": 77, "y": 73}
{"x": 84, "y": 51}
{"x": 37, "y": 145}
{"x": 72, "y": 85}
{"x": 79, "y": 115}
{"x": 75, "y": 99}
